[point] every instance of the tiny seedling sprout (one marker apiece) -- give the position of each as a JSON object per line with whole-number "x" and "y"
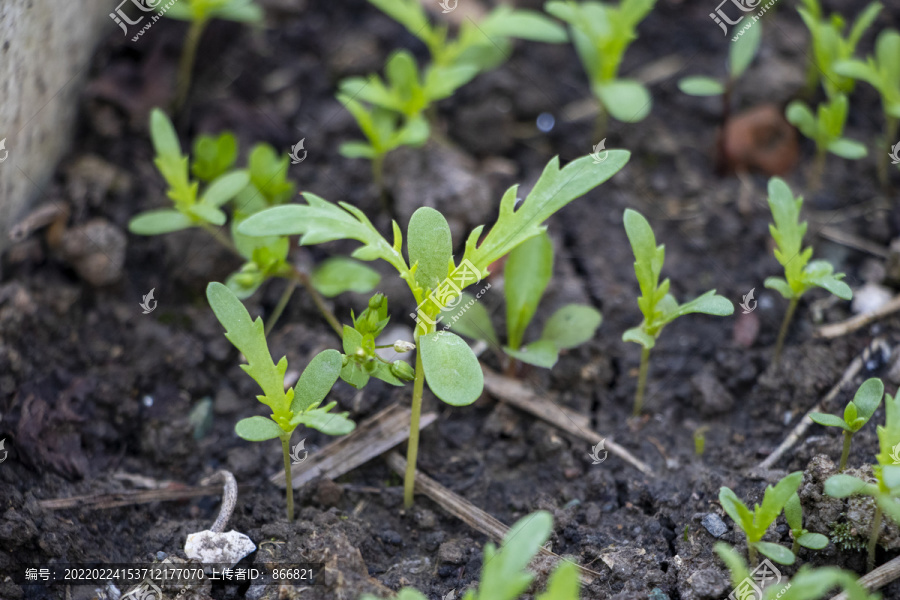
{"x": 443, "y": 359}
{"x": 657, "y": 305}
{"x": 526, "y": 275}
{"x": 856, "y": 414}
{"x": 800, "y": 275}
{"x": 886, "y": 489}
{"x": 298, "y": 406}
{"x": 793, "y": 514}
{"x": 754, "y": 523}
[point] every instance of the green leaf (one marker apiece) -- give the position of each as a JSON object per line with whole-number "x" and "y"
{"x": 736, "y": 509}
{"x": 542, "y": 353}
{"x": 707, "y": 304}
{"x": 210, "y": 214}
{"x": 563, "y": 583}
{"x": 847, "y": 148}
{"x": 162, "y": 133}
{"x": 357, "y": 150}
{"x": 841, "y": 486}
{"x": 820, "y": 273}
{"x": 268, "y": 174}
{"x": 800, "y": 116}
{"x": 813, "y": 541}
{"x": 240, "y": 11}
{"x": 626, "y": 99}
{"x": 328, "y": 423}
{"x": 503, "y": 575}
{"x": 213, "y": 156}
{"x": 451, "y": 368}
{"x": 701, "y": 86}
{"x": 793, "y": 513}
{"x": 741, "y": 52}
{"x": 774, "y": 499}
{"x": 776, "y": 552}
{"x": 779, "y": 285}
{"x": 527, "y": 272}
{"x": 554, "y": 189}
{"x": 829, "y": 420}
{"x": 430, "y": 246}
{"x": 639, "y": 336}
{"x": 889, "y": 506}
{"x": 225, "y": 188}
{"x": 339, "y": 274}
{"x": 316, "y": 381}
{"x": 258, "y": 429}
{"x": 734, "y": 562}
{"x": 159, "y": 221}
{"x": 868, "y": 397}
{"x": 572, "y": 325}
{"x": 474, "y": 323}
{"x": 248, "y": 337}
{"x": 890, "y": 475}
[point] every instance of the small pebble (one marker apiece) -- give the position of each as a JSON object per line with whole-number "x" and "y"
{"x": 714, "y": 524}
{"x": 161, "y": 555}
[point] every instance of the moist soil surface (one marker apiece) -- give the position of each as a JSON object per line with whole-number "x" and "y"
{"x": 97, "y": 397}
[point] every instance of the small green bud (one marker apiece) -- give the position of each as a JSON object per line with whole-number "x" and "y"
{"x": 345, "y": 360}
{"x": 402, "y": 346}
{"x": 401, "y": 370}
{"x": 375, "y": 301}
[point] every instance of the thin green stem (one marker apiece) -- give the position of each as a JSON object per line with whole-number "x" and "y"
{"x": 412, "y": 448}
{"x": 378, "y": 178}
{"x": 751, "y": 553}
{"x": 795, "y": 547}
{"x": 304, "y": 280}
{"x": 217, "y": 234}
{"x": 785, "y": 325}
{"x": 873, "y": 538}
{"x": 186, "y": 64}
{"x": 642, "y": 381}
{"x": 602, "y": 122}
{"x": 285, "y": 442}
{"x": 846, "y": 452}
{"x": 282, "y": 303}
{"x": 817, "y": 170}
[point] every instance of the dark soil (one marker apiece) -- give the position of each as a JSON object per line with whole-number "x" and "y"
{"x": 91, "y": 388}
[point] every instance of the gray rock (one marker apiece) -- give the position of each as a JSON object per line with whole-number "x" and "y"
{"x": 452, "y": 552}
{"x": 210, "y": 547}
{"x": 708, "y": 584}
{"x": 714, "y": 524}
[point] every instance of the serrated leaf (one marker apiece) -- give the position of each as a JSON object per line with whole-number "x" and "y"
{"x": 527, "y": 272}
{"x": 554, "y": 189}
{"x": 316, "y": 381}
{"x": 337, "y": 275}
{"x": 258, "y": 429}
{"x": 542, "y": 353}
{"x": 159, "y": 221}
{"x": 701, "y": 86}
{"x": 503, "y": 575}
{"x": 430, "y": 246}
{"x": 572, "y": 325}
{"x": 776, "y": 552}
{"x": 451, "y": 368}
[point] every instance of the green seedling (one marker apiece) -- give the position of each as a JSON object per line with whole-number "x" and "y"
{"x": 657, "y": 305}
{"x": 700, "y": 440}
{"x": 435, "y": 280}
{"x": 391, "y": 112}
{"x": 504, "y": 575}
{"x": 829, "y": 46}
{"x": 298, "y": 406}
{"x": 755, "y": 522}
{"x": 807, "y": 584}
{"x": 883, "y": 73}
{"x": 526, "y": 275}
{"x": 793, "y": 514}
{"x": 800, "y": 275}
{"x": 601, "y": 34}
{"x": 740, "y": 54}
{"x": 199, "y": 13}
{"x": 856, "y": 414}
{"x": 886, "y": 489}
{"x": 262, "y": 185}
{"x": 826, "y": 129}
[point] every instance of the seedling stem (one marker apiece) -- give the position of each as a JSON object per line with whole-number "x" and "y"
{"x": 186, "y": 64}
{"x": 642, "y": 382}
{"x": 846, "y": 451}
{"x": 412, "y": 449}
{"x": 751, "y": 554}
{"x": 784, "y": 328}
{"x": 873, "y": 538}
{"x": 285, "y": 450}
{"x": 282, "y": 303}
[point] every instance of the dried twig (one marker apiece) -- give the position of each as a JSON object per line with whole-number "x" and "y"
{"x": 229, "y": 498}
{"x": 878, "y": 578}
{"x": 836, "y": 234}
{"x": 521, "y": 396}
{"x": 859, "y": 321}
{"x": 100, "y": 501}
{"x": 373, "y": 437}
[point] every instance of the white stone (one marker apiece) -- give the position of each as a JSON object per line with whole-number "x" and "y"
{"x": 210, "y": 547}
{"x": 870, "y": 298}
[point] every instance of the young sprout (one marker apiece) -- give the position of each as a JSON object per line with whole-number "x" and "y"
{"x": 856, "y": 414}
{"x": 504, "y": 574}
{"x": 800, "y": 275}
{"x": 700, "y": 440}
{"x": 443, "y": 359}
{"x": 198, "y": 13}
{"x": 883, "y": 73}
{"x": 263, "y": 184}
{"x": 526, "y": 275}
{"x": 826, "y": 129}
{"x": 740, "y": 54}
{"x": 829, "y": 46}
{"x": 755, "y": 522}
{"x": 300, "y": 405}
{"x": 886, "y": 489}
{"x": 657, "y": 305}
{"x": 807, "y": 584}
{"x": 793, "y": 514}
{"x": 601, "y": 34}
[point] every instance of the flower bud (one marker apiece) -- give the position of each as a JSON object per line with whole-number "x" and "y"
{"x": 376, "y": 300}
{"x": 402, "y": 346}
{"x": 402, "y": 370}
